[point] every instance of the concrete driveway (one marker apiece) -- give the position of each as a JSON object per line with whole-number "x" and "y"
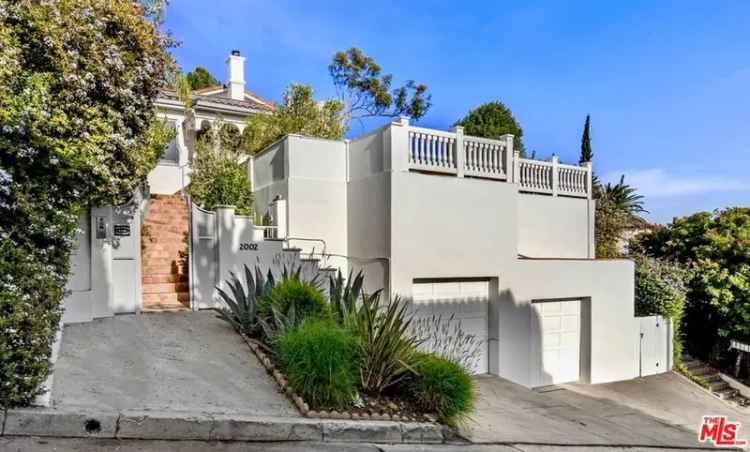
{"x": 510, "y": 413}
{"x": 669, "y": 397}
{"x": 170, "y": 361}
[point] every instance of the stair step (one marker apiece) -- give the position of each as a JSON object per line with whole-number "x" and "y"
{"x": 713, "y": 378}
{"x": 174, "y": 297}
{"x": 155, "y": 308}
{"x": 165, "y": 278}
{"x": 718, "y": 386}
{"x": 702, "y": 371}
{"x": 165, "y": 288}
{"x": 726, "y": 394}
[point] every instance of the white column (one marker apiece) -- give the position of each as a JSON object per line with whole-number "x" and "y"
{"x": 102, "y": 285}
{"x": 460, "y": 152}
{"x": 278, "y": 211}
{"x": 555, "y": 174}
{"x": 589, "y": 178}
{"x": 509, "y": 153}
{"x": 517, "y": 167}
{"x": 400, "y": 144}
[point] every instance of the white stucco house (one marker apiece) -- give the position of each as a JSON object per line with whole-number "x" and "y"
{"x": 463, "y": 226}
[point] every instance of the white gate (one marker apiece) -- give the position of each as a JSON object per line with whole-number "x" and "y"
{"x": 655, "y": 345}
{"x": 204, "y": 257}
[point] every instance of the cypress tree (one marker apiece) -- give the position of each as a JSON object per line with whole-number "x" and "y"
{"x": 586, "y": 154}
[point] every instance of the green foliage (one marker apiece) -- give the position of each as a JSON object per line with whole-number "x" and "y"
{"x": 241, "y": 306}
{"x": 587, "y": 155}
{"x": 77, "y": 87}
{"x": 388, "y": 347}
{"x": 200, "y": 78}
{"x": 493, "y": 120}
{"x": 660, "y": 290}
{"x": 366, "y": 91}
{"x": 78, "y": 79}
{"x": 31, "y": 286}
{"x": 298, "y": 113}
{"x": 716, "y": 247}
{"x": 443, "y": 387}
{"x": 618, "y": 208}
{"x": 306, "y": 298}
{"x": 344, "y": 294}
{"x": 320, "y": 360}
{"x": 218, "y": 179}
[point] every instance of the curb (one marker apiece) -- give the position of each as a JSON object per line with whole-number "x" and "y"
{"x": 163, "y": 425}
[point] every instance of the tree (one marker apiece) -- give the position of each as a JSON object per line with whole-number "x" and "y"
{"x": 586, "y": 154}
{"x": 298, "y": 113}
{"x": 716, "y": 246}
{"x": 618, "y": 208}
{"x": 78, "y": 80}
{"x": 493, "y": 120}
{"x": 200, "y": 78}
{"x": 218, "y": 177}
{"x": 365, "y": 91}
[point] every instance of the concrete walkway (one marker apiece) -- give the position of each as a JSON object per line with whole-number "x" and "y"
{"x": 509, "y": 413}
{"x": 670, "y": 397}
{"x": 181, "y": 362}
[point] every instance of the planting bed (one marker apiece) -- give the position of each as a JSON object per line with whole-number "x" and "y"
{"x": 373, "y": 408}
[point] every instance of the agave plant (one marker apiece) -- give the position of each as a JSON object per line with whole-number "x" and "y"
{"x": 344, "y": 294}
{"x": 388, "y": 347}
{"x": 241, "y": 304}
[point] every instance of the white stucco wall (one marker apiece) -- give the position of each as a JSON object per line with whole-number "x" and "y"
{"x": 444, "y": 227}
{"x": 368, "y": 211}
{"x": 555, "y": 226}
{"x": 612, "y": 343}
{"x": 268, "y": 173}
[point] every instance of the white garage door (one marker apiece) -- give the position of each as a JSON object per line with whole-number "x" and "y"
{"x": 558, "y": 329}
{"x": 466, "y": 301}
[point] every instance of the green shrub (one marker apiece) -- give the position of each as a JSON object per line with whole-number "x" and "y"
{"x": 30, "y": 294}
{"x": 78, "y": 126}
{"x": 388, "y": 346}
{"x": 307, "y": 299}
{"x": 443, "y": 387}
{"x": 660, "y": 290}
{"x": 218, "y": 179}
{"x": 320, "y": 360}
{"x": 716, "y": 248}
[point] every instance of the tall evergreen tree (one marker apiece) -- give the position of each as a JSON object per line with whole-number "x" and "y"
{"x": 586, "y": 154}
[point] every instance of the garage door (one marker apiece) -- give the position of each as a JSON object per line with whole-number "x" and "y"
{"x": 558, "y": 329}
{"x": 466, "y": 302}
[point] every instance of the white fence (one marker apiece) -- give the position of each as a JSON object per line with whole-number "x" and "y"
{"x": 438, "y": 151}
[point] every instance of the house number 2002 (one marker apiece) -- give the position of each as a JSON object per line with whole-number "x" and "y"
{"x": 248, "y": 246}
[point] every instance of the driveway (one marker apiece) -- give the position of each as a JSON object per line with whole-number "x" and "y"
{"x": 168, "y": 361}
{"x": 670, "y": 397}
{"x": 510, "y": 413}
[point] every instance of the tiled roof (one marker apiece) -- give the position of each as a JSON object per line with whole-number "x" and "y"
{"x": 219, "y": 95}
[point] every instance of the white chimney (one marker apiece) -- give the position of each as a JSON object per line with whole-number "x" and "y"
{"x": 236, "y": 75}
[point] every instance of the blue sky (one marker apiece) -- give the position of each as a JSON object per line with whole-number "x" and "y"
{"x": 667, "y": 83}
